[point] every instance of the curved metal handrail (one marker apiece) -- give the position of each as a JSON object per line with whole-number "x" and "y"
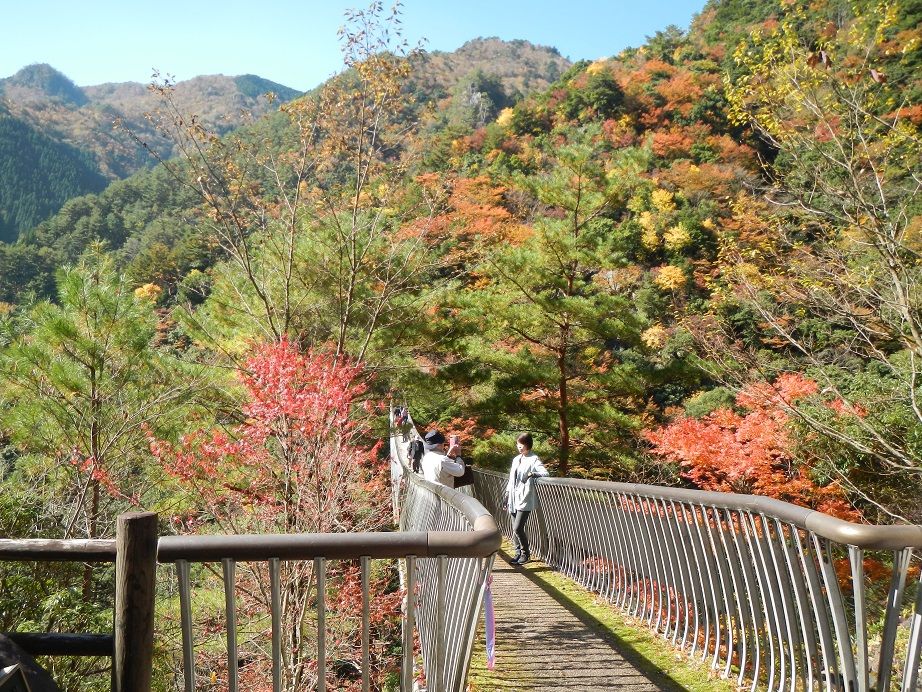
{"x": 768, "y": 592}
{"x": 866, "y": 536}
{"x": 449, "y": 589}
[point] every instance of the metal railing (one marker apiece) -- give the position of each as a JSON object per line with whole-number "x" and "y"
{"x": 774, "y": 594}
{"x": 449, "y": 588}
{"x": 445, "y": 546}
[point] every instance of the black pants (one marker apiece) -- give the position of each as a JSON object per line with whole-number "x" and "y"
{"x": 519, "y": 539}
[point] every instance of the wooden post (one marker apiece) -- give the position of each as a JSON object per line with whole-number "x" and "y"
{"x": 135, "y": 578}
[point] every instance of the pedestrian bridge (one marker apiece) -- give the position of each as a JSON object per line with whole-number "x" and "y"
{"x": 766, "y": 594}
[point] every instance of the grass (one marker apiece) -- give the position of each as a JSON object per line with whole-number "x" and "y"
{"x": 668, "y": 668}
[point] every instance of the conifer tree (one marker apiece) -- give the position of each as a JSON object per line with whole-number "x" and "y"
{"x": 80, "y": 382}
{"x": 558, "y": 339}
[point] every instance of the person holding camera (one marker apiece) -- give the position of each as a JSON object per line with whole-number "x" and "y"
{"x": 521, "y": 496}
{"x": 438, "y": 464}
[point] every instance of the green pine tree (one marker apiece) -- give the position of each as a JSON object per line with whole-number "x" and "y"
{"x": 559, "y": 339}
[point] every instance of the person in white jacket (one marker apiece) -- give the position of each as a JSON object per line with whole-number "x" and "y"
{"x": 521, "y": 496}
{"x": 438, "y": 465}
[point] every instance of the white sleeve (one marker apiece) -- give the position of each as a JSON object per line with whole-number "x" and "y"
{"x": 510, "y": 484}
{"x": 453, "y": 467}
{"x": 538, "y": 469}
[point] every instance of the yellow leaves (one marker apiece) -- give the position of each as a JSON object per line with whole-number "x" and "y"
{"x": 649, "y": 238}
{"x": 620, "y": 279}
{"x": 749, "y": 273}
{"x": 663, "y": 201}
{"x": 677, "y": 237}
{"x": 669, "y": 278}
{"x": 597, "y": 67}
{"x": 147, "y": 292}
{"x": 655, "y": 337}
{"x": 504, "y": 119}
{"x": 912, "y": 236}
{"x": 636, "y": 203}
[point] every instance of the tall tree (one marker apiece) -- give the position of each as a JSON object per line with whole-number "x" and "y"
{"x": 81, "y": 381}
{"x": 309, "y": 205}
{"x": 556, "y": 337}
{"x": 297, "y": 463}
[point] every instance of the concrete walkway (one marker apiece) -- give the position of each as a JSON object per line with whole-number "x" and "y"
{"x": 543, "y": 645}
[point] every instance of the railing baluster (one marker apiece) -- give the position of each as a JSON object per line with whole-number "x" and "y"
{"x": 321, "y": 573}
{"x": 609, "y": 579}
{"x": 619, "y": 594}
{"x": 914, "y": 646}
{"x": 768, "y": 590}
{"x": 736, "y": 626}
{"x": 230, "y": 608}
{"x": 690, "y": 518}
{"x": 185, "y": 619}
{"x": 856, "y": 561}
{"x": 709, "y": 593}
{"x": 679, "y": 565}
{"x": 789, "y": 636}
{"x": 837, "y": 612}
{"x": 438, "y": 672}
{"x": 409, "y": 624}
{"x": 365, "y": 563}
{"x": 634, "y": 540}
{"x": 722, "y": 604}
{"x": 807, "y": 649}
{"x": 812, "y": 565}
{"x": 901, "y": 560}
{"x": 754, "y": 623}
{"x": 275, "y": 597}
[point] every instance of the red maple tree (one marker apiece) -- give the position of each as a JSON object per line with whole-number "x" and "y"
{"x": 298, "y": 462}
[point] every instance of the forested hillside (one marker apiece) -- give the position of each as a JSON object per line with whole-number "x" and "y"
{"x": 60, "y": 140}
{"x": 37, "y": 175}
{"x": 696, "y": 263}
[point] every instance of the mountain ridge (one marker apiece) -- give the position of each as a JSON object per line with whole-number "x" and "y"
{"x": 82, "y": 118}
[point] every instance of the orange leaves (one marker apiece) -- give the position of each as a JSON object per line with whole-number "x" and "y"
{"x": 787, "y": 389}
{"x": 476, "y": 214}
{"x": 675, "y": 142}
{"x": 749, "y": 452}
{"x": 619, "y": 133}
{"x": 681, "y": 91}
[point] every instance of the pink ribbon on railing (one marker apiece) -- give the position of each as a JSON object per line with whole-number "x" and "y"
{"x": 490, "y": 620}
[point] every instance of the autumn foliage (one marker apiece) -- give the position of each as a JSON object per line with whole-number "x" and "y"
{"x": 296, "y": 463}
{"x": 749, "y": 452}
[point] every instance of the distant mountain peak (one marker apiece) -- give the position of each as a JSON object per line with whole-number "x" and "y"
{"x": 478, "y": 44}
{"x": 255, "y": 86}
{"x": 44, "y": 81}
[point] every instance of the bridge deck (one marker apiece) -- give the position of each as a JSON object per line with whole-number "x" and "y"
{"x": 542, "y": 644}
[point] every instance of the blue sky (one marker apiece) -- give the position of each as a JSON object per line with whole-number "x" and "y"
{"x": 294, "y": 42}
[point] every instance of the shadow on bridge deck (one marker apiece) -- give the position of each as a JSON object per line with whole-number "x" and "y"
{"x": 544, "y": 642}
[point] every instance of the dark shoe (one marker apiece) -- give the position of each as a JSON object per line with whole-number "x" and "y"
{"x": 514, "y": 560}
{"x": 523, "y": 559}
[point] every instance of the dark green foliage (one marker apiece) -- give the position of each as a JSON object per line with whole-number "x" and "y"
{"x": 37, "y": 175}
{"x": 254, "y": 87}
{"x": 663, "y": 44}
{"x": 44, "y": 78}
{"x": 26, "y": 271}
{"x": 130, "y": 216}
{"x": 601, "y": 98}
